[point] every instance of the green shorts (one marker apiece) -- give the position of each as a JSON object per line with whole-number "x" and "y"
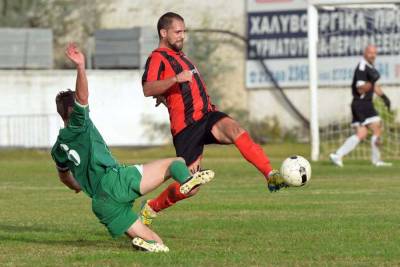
{"x": 113, "y": 201}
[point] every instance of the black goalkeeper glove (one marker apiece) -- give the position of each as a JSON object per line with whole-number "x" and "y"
{"x": 386, "y": 100}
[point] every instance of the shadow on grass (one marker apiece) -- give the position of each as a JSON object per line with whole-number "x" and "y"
{"x": 46, "y": 229}
{"x": 56, "y": 237}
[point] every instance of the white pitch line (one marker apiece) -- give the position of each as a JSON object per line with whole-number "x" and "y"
{"x": 16, "y": 187}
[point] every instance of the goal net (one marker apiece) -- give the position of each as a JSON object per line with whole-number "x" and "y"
{"x": 343, "y": 33}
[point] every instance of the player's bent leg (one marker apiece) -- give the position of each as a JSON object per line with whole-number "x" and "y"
{"x": 172, "y": 194}
{"x": 138, "y": 229}
{"x": 167, "y": 198}
{"x": 155, "y": 173}
{"x": 349, "y": 145}
{"x": 253, "y": 153}
{"x": 227, "y": 130}
{"x": 180, "y": 173}
{"x": 143, "y": 238}
{"x": 175, "y": 192}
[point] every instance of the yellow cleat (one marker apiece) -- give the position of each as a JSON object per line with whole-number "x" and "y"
{"x": 147, "y": 214}
{"x": 275, "y": 181}
{"x": 149, "y": 246}
{"x": 197, "y": 179}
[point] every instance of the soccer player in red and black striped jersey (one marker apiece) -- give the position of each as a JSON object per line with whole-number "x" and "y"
{"x": 172, "y": 78}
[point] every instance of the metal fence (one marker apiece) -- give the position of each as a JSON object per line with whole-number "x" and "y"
{"x": 29, "y": 131}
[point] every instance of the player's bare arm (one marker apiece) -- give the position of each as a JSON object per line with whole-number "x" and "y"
{"x": 156, "y": 88}
{"x": 82, "y": 92}
{"x": 67, "y": 179}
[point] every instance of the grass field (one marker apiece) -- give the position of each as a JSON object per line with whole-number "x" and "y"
{"x": 344, "y": 217}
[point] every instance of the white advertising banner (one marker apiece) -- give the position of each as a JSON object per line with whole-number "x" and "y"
{"x": 277, "y": 34}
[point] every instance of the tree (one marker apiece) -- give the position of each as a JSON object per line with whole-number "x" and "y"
{"x": 70, "y": 20}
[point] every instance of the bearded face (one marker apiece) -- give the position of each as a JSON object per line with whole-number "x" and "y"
{"x": 174, "y": 36}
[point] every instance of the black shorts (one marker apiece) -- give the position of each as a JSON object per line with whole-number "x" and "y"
{"x": 364, "y": 113}
{"x": 189, "y": 143}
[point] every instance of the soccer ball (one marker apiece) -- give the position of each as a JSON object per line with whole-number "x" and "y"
{"x": 296, "y": 171}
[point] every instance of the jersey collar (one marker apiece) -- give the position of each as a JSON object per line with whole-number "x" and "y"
{"x": 363, "y": 61}
{"x": 169, "y": 51}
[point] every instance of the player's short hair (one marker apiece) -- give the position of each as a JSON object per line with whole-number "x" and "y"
{"x": 166, "y": 20}
{"x": 64, "y": 100}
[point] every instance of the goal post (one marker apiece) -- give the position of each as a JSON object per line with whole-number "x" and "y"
{"x": 313, "y": 31}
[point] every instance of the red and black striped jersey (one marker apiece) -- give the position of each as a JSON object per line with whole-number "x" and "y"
{"x": 186, "y": 102}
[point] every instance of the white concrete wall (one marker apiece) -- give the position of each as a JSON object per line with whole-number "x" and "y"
{"x": 117, "y": 106}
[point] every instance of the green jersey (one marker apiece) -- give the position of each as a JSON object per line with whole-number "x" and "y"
{"x": 81, "y": 149}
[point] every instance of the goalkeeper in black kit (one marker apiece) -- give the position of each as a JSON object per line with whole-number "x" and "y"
{"x": 365, "y": 117}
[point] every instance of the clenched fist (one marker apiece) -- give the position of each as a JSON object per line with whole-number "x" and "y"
{"x": 184, "y": 76}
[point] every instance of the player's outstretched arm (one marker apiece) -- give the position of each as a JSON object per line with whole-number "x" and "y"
{"x": 81, "y": 90}
{"x": 69, "y": 181}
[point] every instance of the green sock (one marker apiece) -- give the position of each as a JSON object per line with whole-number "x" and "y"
{"x": 179, "y": 171}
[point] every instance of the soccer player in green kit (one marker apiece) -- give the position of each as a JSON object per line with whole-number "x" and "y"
{"x": 84, "y": 163}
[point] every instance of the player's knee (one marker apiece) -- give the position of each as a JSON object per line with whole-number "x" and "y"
{"x": 180, "y": 159}
{"x": 176, "y": 159}
{"x": 236, "y": 132}
{"x": 378, "y": 131}
{"x": 240, "y": 131}
{"x": 361, "y": 135}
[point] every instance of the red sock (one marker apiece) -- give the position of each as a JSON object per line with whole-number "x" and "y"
{"x": 253, "y": 153}
{"x": 167, "y": 198}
